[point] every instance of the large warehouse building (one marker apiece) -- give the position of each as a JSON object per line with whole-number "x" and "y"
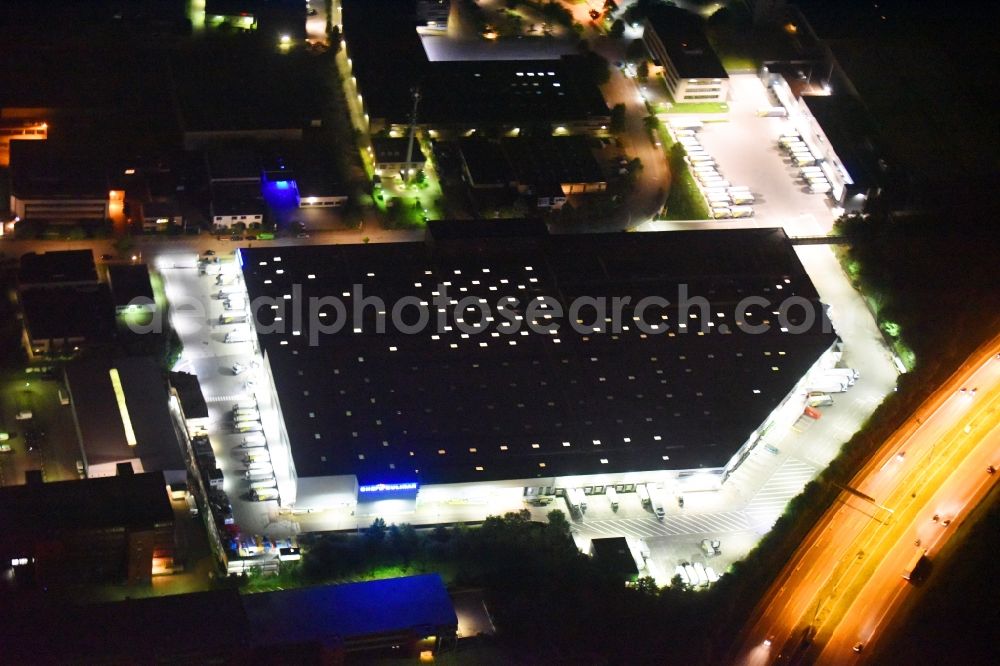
{"x": 676, "y": 394}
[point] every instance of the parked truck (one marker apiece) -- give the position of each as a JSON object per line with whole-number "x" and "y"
{"x": 656, "y": 500}
{"x": 612, "y": 498}
{"x": 643, "y": 493}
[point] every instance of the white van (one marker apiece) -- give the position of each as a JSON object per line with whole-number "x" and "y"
{"x": 722, "y": 213}
{"x": 245, "y": 404}
{"x": 819, "y": 188}
{"x": 742, "y": 198}
{"x": 254, "y": 439}
{"x": 741, "y": 211}
{"x": 260, "y": 467}
{"x": 249, "y": 426}
{"x": 718, "y": 200}
{"x": 804, "y": 160}
{"x": 817, "y": 399}
{"x": 810, "y": 169}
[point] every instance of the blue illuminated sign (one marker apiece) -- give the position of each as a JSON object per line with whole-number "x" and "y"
{"x": 281, "y": 184}
{"x": 239, "y": 257}
{"x": 387, "y": 487}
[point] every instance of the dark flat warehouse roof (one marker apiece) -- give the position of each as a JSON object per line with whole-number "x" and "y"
{"x": 389, "y": 60}
{"x": 614, "y": 554}
{"x": 44, "y": 170}
{"x": 387, "y": 56}
{"x": 57, "y": 266}
{"x": 199, "y": 627}
{"x": 100, "y": 420}
{"x": 223, "y": 626}
{"x": 436, "y": 406}
{"x": 352, "y": 610}
{"x": 69, "y": 312}
{"x": 510, "y": 91}
{"x": 129, "y": 281}
{"x": 851, "y": 132}
{"x": 191, "y": 397}
{"x": 685, "y": 43}
{"x": 134, "y": 501}
{"x": 552, "y": 159}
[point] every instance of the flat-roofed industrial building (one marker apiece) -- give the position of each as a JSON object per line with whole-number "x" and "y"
{"x": 447, "y": 411}
{"x": 691, "y": 68}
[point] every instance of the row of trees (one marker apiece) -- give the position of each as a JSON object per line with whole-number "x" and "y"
{"x": 547, "y": 599}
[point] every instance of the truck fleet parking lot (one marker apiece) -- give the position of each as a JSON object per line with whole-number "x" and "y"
{"x": 744, "y": 147}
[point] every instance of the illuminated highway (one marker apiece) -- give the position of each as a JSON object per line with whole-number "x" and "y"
{"x": 845, "y": 581}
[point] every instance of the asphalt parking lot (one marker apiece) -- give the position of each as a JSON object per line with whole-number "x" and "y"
{"x": 745, "y": 148}
{"x": 196, "y": 309}
{"x": 47, "y": 441}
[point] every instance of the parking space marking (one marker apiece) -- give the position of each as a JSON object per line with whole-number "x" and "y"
{"x": 787, "y": 481}
{"x": 696, "y": 524}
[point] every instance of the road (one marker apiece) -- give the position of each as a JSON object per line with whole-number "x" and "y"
{"x": 845, "y": 581}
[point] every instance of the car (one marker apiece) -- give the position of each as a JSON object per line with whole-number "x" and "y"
{"x": 771, "y": 449}
{"x": 239, "y": 368}
{"x": 302, "y": 235}
{"x": 107, "y": 257}
{"x": 209, "y": 253}
{"x": 594, "y": 14}
{"x": 236, "y": 237}
{"x": 858, "y": 647}
{"x": 312, "y": 11}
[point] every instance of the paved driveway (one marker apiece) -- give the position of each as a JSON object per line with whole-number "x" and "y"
{"x": 746, "y": 150}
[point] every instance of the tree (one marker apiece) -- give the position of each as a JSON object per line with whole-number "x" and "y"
{"x": 335, "y": 39}
{"x": 558, "y": 522}
{"x": 617, "y": 29}
{"x": 596, "y": 67}
{"x": 636, "y": 50}
{"x": 647, "y": 585}
{"x": 376, "y": 532}
{"x": 617, "y": 119}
